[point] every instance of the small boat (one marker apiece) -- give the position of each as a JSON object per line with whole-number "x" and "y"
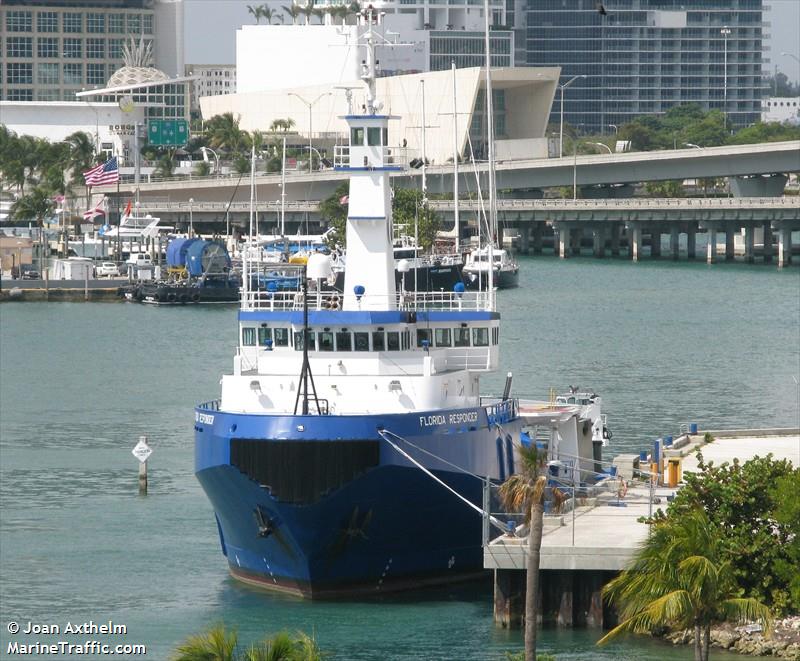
{"x": 505, "y": 270}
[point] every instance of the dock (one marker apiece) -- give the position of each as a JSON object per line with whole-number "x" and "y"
{"x": 583, "y": 548}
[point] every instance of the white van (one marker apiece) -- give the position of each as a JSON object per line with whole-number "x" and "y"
{"x": 140, "y": 259}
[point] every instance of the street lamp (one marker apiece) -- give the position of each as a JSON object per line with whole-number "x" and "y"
{"x": 561, "y": 131}
{"x": 191, "y": 219}
{"x": 310, "y": 106}
{"x": 725, "y": 31}
{"x": 205, "y": 151}
{"x": 600, "y": 144}
{"x": 615, "y": 127}
{"x": 692, "y": 145}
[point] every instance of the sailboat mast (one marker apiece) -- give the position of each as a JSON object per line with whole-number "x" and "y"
{"x": 490, "y": 139}
{"x": 283, "y": 189}
{"x": 455, "y": 162}
{"x": 424, "y": 149}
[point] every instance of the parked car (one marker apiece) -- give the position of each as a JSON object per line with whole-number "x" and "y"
{"x": 107, "y": 269}
{"x": 31, "y": 275}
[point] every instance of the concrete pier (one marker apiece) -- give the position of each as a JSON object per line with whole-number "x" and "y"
{"x": 537, "y": 238}
{"x": 655, "y": 242}
{"x": 749, "y": 244}
{"x": 616, "y": 228}
{"x": 635, "y": 241}
{"x": 691, "y": 242}
{"x": 599, "y": 242}
{"x": 730, "y": 232}
{"x": 784, "y": 247}
{"x": 711, "y": 246}
{"x": 582, "y": 551}
{"x": 768, "y": 249}
{"x": 563, "y": 241}
{"x": 674, "y": 242}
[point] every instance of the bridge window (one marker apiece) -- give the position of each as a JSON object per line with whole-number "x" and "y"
{"x": 374, "y": 136}
{"x": 281, "y": 337}
{"x": 378, "y": 341}
{"x": 344, "y": 341}
{"x": 361, "y": 341}
{"x": 248, "y": 337}
{"x": 495, "y": 335}
{"x": 298, "y": 340}
{"x": 405, "y": 338}
{"x": 461, "y": 337}
{"x": 356, "y": 137}
{"x": 480, "y": 337}
{"x": 423, "y": 335}
{"x": 326, "y": 341}
{"x": 443, "y": 337}
{"x": 393, "y": 341}
{"x": 264, "y": 334}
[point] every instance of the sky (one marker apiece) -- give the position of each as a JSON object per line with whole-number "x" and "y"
{"x": 211, "y": 31}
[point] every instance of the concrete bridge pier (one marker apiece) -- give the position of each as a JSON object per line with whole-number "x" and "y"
{"x": 599, "y": 242}
{"x": 563, "y": 232}
{"x": 730, "y": 236}
{"x": 711, "y": 246}
{"x": 524, "y": 238}
{"x": 537, "y": 238}
{"x": 768, "y": 247}
{"x": 674, "y": 242}
{"x": 575, "y": 241}
{"x": 655, "y": 242}
{"x": 616, "y": 228}
{"x": 635, "y": 241}
{"x": 749, "y": 243}
{"x": 784, "y": 246}
{"x": 770, "y": 185}
{"x": 691, "y": 241}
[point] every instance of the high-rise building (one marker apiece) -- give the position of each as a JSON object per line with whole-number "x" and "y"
{"x": 210, "y": 80}
{"x": 52, "y": 49}
{"x": 642, "y": 57}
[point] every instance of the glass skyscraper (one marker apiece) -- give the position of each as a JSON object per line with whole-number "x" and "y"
{"x": 643, "y": 57}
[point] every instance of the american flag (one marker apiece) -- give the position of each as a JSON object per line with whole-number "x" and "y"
{"x": 103, "y": 174}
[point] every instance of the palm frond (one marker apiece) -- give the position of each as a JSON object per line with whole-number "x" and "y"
{"x": 747, "y": 610}
{"x": 673, "y": 608}
{"x": 216, "y": 644}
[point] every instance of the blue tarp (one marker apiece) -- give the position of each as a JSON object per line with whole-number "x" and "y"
{"x": 177, "y": 251}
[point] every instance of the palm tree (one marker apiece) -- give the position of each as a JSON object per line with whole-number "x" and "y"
{"x": 680, "y": 578}
{"x": 165, "y": 166}
{"x": 81, "y": 155}
{"x": 267, "y": 13}
{"x": 257, "y": 12}
{"x": 339, "y": 11}
{"x": 35, "y": 205}
{"x": 216, "y": 644}
{"x": 294, "y": 11}
{"x": 224, "y": 133}
{"x": 307, "y": 10}
{"x": 320, "y": 13}
{"x": 281, "y": 125}
{"x": 524, "y": 492}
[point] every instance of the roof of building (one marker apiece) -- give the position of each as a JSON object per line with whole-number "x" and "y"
{"x": 135, "y": 76}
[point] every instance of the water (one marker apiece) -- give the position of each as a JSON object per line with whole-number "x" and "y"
{"x": 664, "y": 344}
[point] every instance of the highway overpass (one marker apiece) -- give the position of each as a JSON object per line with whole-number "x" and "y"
{"x": 751, "y": 165}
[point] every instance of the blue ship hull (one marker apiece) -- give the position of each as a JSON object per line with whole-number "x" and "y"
{"x": 322, "y": 506}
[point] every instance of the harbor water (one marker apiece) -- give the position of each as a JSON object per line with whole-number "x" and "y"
{"x": 664, "y": 344}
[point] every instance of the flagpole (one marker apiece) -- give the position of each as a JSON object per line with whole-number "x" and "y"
{"x": 119, "y": 207}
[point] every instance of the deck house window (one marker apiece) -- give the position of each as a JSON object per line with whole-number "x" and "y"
{"x": 281, "y": 337}
{"x": 298, "y": 340}
{"x": 495, "y": 335}
{"x": 442, "y": 337}
{"x": 461, "y": 337}
{"x": 344, "y": 341}
{"x": 361, "y": 341}
{"x": 264, "y": 335}
{"x": 393, "y": 341}
{"x": 357, "y": 137}
{"x": 423, "y": 335}
{"x": 378, "y": 341}
{"x": 325, "y": 341}
{"x": 249, "y": 337}
{"x": 480, "y": 337}
{"x": 374, "y": 136}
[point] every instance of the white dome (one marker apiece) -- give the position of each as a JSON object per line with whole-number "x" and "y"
{"x": 318, "y": 266}
{"x": 136, "y": 75}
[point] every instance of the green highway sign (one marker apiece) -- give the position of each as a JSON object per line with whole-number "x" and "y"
{"x": 168, "y": 132}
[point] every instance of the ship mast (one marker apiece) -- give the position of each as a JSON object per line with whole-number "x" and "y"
{"x": 490, "y": 139}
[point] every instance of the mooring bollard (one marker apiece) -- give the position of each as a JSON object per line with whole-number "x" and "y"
{"x": 142, "y": 451}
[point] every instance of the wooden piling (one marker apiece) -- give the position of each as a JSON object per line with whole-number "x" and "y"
{"x": 143, "y": 478}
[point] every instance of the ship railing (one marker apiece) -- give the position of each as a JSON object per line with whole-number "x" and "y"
{"x": 394, "y": 156}
{"x": 472, "y": 359}
{"x": 332, "y": 300}
{"x": 500, "y": 411}
{"x": 212, "y": 405}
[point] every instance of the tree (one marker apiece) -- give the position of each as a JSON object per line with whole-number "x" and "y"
{"x": 669, "y": 188}
{"x": 765, "y": 132}
{"x": 759, "y": 534}
{"x": 408, "y": 210}
{"x": 224, "y": 133}
{"x": 780, "y": 85}
{"x": 82, "y": 156}
{"x": 283, "y": 125}
{"x": 202, "y": 169}
{"x": 165, "y": 166}
{"x": 219, "y": 644}
{"x": 256, "y": 12}
{"x": 36, "y": 205}
{"x": 524, "y": 492}
{"x": 681, "y": 578}
{"x": 294, "y": 11}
